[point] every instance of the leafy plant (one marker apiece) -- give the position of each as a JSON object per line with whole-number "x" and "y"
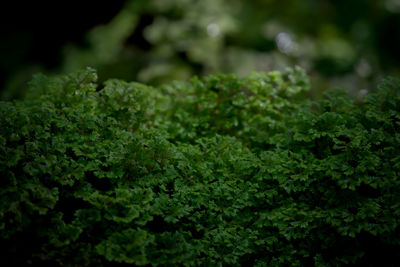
{"x": 220, "y": 171}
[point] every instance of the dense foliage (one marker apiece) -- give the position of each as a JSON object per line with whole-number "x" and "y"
{"x": 220, "y": 171}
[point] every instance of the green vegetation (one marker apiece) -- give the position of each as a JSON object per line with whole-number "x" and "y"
{"x": 219, "y": 171}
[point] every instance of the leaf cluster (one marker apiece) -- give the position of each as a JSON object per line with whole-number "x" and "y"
{"x": 220, "y": 171}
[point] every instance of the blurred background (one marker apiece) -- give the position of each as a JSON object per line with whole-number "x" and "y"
{"x": 341, "y": 44}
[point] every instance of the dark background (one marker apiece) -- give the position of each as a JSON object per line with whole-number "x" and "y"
{"x": 34, "y": 37}
{"x": 34, "y": 32}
